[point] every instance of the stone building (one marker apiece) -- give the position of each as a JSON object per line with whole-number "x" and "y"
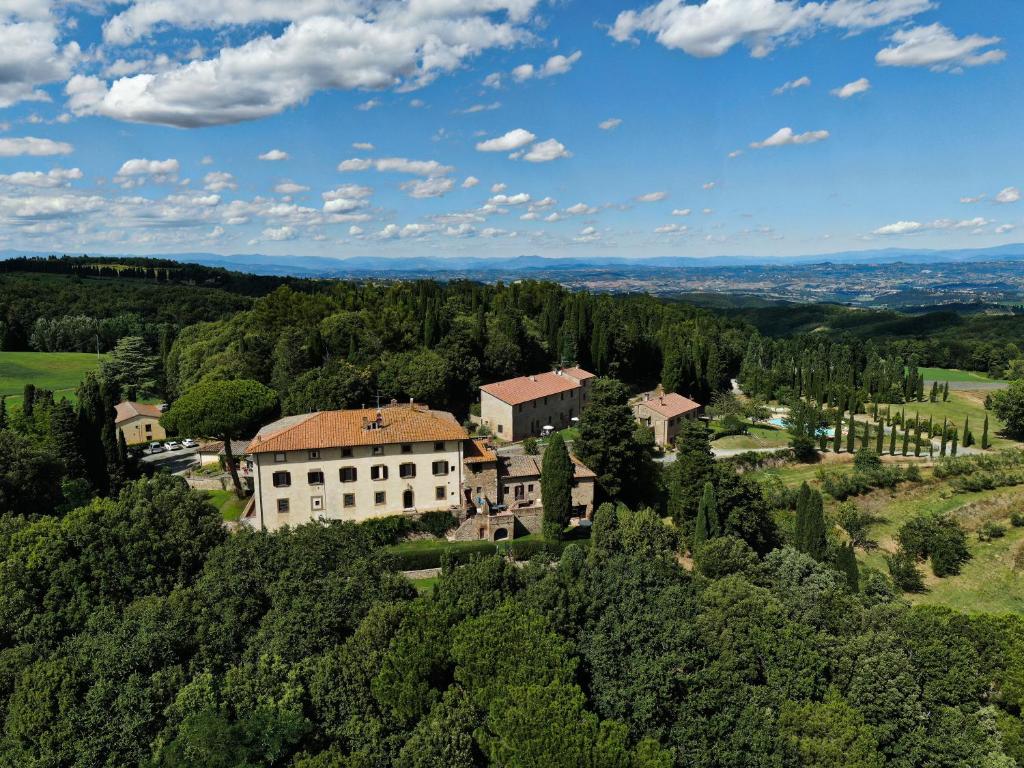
{"x": 665, "y": 413}
{"x": 522, "y": 407}
{"x": 138, "y": 422}
{"x": 355, "y": 465}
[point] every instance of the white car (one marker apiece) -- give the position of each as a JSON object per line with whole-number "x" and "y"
{"x": 156, "y": 448}
{"x": 173, "y": 445}
{"x": 188, "y": 442}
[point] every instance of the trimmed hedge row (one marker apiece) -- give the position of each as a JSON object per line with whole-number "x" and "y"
{"x": 463, "y": 552}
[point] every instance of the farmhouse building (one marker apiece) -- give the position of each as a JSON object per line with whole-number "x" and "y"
{"x": 355, "y": 465}
{"x": 138, "y": 422}
{"x": 522, "y": 407}
{"x": 664, "y": 414}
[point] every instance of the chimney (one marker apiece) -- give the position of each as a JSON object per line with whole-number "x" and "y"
{"x": 532, "y": 377}
{"x": 366, "y": 423}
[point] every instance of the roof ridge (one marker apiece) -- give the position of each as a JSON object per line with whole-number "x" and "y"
{"x": 260, "y": 438}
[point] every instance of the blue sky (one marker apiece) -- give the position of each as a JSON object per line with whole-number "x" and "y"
{"x": 508, "y": 127}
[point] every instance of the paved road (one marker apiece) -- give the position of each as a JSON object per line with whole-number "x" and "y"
{"x": 172, "y": 461}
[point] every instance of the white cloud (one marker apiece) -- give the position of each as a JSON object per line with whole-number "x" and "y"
{"x": 1008, "y": 195}
{"x": 207, "y": 160}
{"x": 517, "y": 199}
{"x": 671, "y": 229}
{"x": 290, "y": 188}
{"x": 800, "y": 82}
{"x": 713, "y": 27}
{"x": 482, "y": 108}
{"x": 912, "y": 227}
{"x": 274, "y": 154}
{"x": 138, "y": 171}
{"x": 417, "y": 103}
{"x": 435, "y": 186}
{"x": 707, "y": 211}
{"x": 735, "y": 153}
{"x": 556, "y": 65}
{"x": 651, "y": 197}
{"x": 587, "y": 235}
{"x": 681, "y": 212}
{"x": 863, "y": 85}
{"x": 30, "y": 55}
{"x": 362, "y": 146}
{"x": 580, "y": 209}
{"x": 708, "y": 186}
{"x": 493, "y": 80}
{"x": 355, "y": 230}
{"x": 785, "y": 136}
{"x": 514, "y": 139}
{"x": 396, "y": 165}
{"x": 279, "y": 234}
{"x": 470, "y": 182}
{"x": 346, "y": 198}
{"x": 218, "y": 181}
{"x": 972, "y": 200}
{"x": 323, "y": 45}
{"x": 1002, "y": 229}
{"x": 57, "y": 177}
{"x": 937, "y": 47}
{"x": 546, "y": 151}
{"x": 33, "y": 147}
{"x": 498, "y": 187}
{"x": 366, "y": 106}
{"x": 610, "y": 124}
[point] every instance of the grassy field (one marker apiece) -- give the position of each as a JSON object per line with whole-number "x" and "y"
{"x": 961, "y": 405}
{"x": 954, "y": 374}
{"x": 57, "y": 371}
{"x": 228, "y": 503}
{"x": 758, "y": 436}
{"x": 424, "y": 586}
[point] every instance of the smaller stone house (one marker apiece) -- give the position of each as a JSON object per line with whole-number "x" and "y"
{"x": 138, "y": 422}
{"x": 664, "y": 413}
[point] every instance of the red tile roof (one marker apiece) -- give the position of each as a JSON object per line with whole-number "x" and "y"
{"x": 526, "y": 388}
{"x": 478, "y": 452}
{"x": 520, "y": 465}
{"x": 127, "y": 409}
{"x": 671, "y": 405}
{"x": 336, "y": 429}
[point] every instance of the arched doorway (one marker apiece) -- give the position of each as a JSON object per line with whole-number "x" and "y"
{"x": 501, "y": 534}
{"x": 408, "y": 501}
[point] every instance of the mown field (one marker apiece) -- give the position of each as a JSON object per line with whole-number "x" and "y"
{"x": 60, "y": 372}
{"x": 988, "y": 582}
{"x": 954, "y": 375}
{"x": 962, "y": 404}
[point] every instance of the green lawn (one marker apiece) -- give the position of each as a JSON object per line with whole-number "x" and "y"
{"x": 954, "y": 374}
{"x": 758, "y": 436}
{"x": 60, "y": 372}
{"x": 424, "y": 586}
{"x": 961, "y": 404}
{"x": 228, "y": 503}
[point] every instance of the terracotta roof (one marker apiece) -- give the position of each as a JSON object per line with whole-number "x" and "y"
{"x": 126, "y": 410}
{"x": 670, "y": 405}
{"x": 238, "y": 447}
{"x": 336, "y": 429}
{"x": 520, "y": 465}
{"x": 526, "y": 388}
{"x": 477, "y": 452}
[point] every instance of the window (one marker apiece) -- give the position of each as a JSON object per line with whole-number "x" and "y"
{"x": 407, "y": 470}
{"x": 377, "y": 450}
{"x": 440, "y": 467}
{"x": 316, "y": 477}
{"x": 282, "y": 505}
{"x": 406, "y": 447}
{"x": 500, "y": 429}
{"x": 529, "y": 488}
{"x": 519, "y": 493}
{"x": 316, "y": 503}
{"x": 314, "y": 454}
{"x": 561, "y": 396}
{"x": 149, "y": 428}
{"x": 280, "y": 457}
{"x": 282, "y": 479}
{"x": 379, "y": 498}
{"x": 346, "y": 453}
{"x": 522, "y": 407}
{"x": 349, "y": 499}
{"x": 439, "y": 445}
{"x": 379, "y": 472}
{"x": 440, "y": 493}
{"x": 347, "y": 474}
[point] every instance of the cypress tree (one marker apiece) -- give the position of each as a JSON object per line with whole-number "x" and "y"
{"x": 934, "y": 395}
{"x": 953, "y": 444}
{"x": 917, "y": 434}
{"x": 803, "y": 498}
{"x": 968, "y": 437}
{"x": 865, "y": 439}
{"x": 892, "y": 440}
{"x": 28, "y": 401}
{"x": 707, "y": 517}
{"x": 984, "y": 434}
{"x": 920, "y": 389}
{"x": 837, "y": 442}
{"x": 942, "y": 448}
{"x": 906, "y": 438}
{"x": 945, "y": 392}
{"x": 812, "y": 527}
{"x": 3, "y": 411}
{"x": 846, "y": 562}
{"x": 851, "y": 434}
{"x": 880, "y": 439}
{"x": 556, "y": 487}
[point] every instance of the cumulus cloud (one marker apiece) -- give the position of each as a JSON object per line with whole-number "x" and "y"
{"x": 735, "y": 153}
{"x": 580, "y": 209}
{"x": 587, "y": 235}
{"x": 274, "y": 154}
{"x": 57, "y": 177}
{"x": 556, "y": 65}
{"x": 800, "y": 82}
{"x": 218, "y": 181}
{"x": 435, "y": 186}
{"x": 33, "y": 147}
{"x": 610, "y": 124}
{"x": 651, "y": 197}
{"x": 362, "y": 146}
{"x": 137, "y": 171}
{"x": 279, "y": 234}
{"x": 671, "y": 229}
{"x": 516, "y": 199}
{"x": 470, "y": 182}
{"x": 912, "y": 227}
{"x": 396, "y": 165}
{"x": 323, "y": 45}
{"x": 30, "y": 54}
{"x": 1002, "y": 229}
{"x": 937, "y": 47}
{"x": 785, "y": 136}
{"x": 546, "y": 151}
{"x": 681, "y": 212}
{"x": 972, "y": 200}
{"x": 346, "y": 198}
{"x": 1008, "y": 195}
{"x": 290, "y": 188}
{"x": 713, "y": 27}
{"x": 863, "y": 85}
{"x": 513, "y": 140}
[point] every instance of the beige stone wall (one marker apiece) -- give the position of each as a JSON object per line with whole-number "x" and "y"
{"x": 141, "y": 429}
{"x": 527, "y": 419}
{"x": 481, "y": 480}
{"x": 583, "y": 495}
{"x": 308, "y": 502}
{"x": 665, "y": 430}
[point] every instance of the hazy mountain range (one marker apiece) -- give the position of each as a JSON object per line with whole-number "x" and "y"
{"x": 324, "y": 266}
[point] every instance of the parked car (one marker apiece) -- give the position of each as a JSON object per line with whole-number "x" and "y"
{"x": 173, "y": 445}
{"x": 156, "y": 448}
{"x": 188, "y": 442}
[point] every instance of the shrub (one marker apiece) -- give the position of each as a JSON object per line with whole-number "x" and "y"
{"x": 1017, "y": 520}
{"x": 421, "y": 559}
{"x": 530, "y": 446}
{"x": 940, "y": 538}
{"x": 905, "y": 573}
{"x": 724, "y": 556}
{"x": 991, "y": 530}
{"x": 854, "y": 522}
{"x": 436, "y": 523}
{"x": 867, "y": 461}
{"x": 387, "y": 530}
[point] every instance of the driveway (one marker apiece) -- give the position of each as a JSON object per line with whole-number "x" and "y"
{"x": 172, "y": 461}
